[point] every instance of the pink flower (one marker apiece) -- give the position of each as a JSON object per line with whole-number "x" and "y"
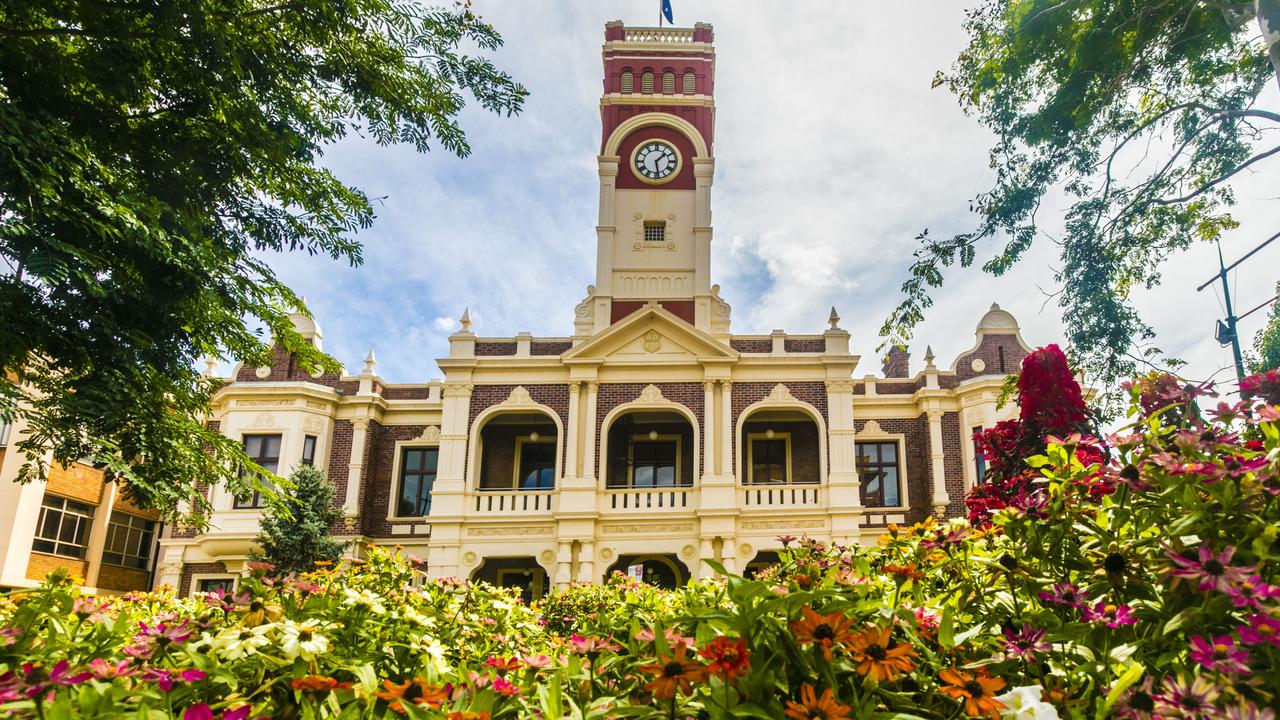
{"x": 1065, "y": 593}
{"x": 1249, "y": 711}
{"x": 61, "y": 675}
{"x": 1213, "y": 571}
{"x": 505, "y": 688}
{"x": 503, "y": 664}
{"x": 10, "y": 635}
{"x": 1026, "y": 643}
{"x": 1182, "y": 699}
{"x": 141, "y": 652}
{"x": 204, "y": 712}
{"x": 588, "y": 646}
{"x": 1261, "y": 630}
{"x": 536, "y": 661}
{"x": 1251, "y": 590}
{"x": 1113, "y": 616}
{"x": 163, "y": 635}
{"x": 104, "y": 670}
{"x": 1220, "y": 654}
{"x": 165, "y": 679}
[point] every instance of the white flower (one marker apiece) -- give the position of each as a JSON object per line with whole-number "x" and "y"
{"x": 366, "y": 599}
{"x": 302, "y": 640}
{"x": 418, "y": 618}
{"x": 239, "y": 642}
{"x": 435, "y": 655}
{"x": 1025, "y": 703}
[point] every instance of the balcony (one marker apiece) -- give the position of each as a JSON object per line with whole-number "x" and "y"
{"x": 649, "y": 500}
{"x": 659, "y": 35}
{"x": 518, "y": 502}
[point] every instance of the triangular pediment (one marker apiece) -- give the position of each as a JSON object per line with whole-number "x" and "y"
{"x": 651, "y": 335}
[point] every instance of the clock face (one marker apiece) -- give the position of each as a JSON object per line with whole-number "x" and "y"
{"x": 656, "y": 161}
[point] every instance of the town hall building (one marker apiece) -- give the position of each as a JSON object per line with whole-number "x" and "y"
{"x": 649, "y": 439}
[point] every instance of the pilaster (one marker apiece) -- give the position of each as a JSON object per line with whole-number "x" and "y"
{"x": 937, "y": 459}
{"x": 19, "y": 512}
{"x": 98, "y": 533}
{"x": 844, "y": 496}
{"x": 355, "y": 468}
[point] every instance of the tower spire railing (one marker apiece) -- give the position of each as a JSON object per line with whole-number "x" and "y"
{"x": 659, "y": 35}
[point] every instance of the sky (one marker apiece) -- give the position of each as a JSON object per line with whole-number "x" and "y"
{"x": 832, "y": 154}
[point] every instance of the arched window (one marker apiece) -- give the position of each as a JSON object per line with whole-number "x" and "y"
{"x": 690, "y": 84}
{"x": 668, "y": 82}
{"x": 646, "y": 81}
{"x": 628, "y": 81}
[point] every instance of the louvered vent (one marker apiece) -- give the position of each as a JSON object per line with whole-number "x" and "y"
{"x": 669, "y": 82}
{"x": 646, "y": 82}
{"x": 689, "y": 84}
{"x": 628, "y": 82}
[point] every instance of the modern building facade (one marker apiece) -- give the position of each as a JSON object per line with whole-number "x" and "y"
{"x": 652, "y": 438}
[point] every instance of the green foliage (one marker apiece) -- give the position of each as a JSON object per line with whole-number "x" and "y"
{"x": 1141, "y": 112}
{"x": 1267, "y": 342}
{"x": 1120, "y": 585}
{"x": 151, "y": 156}
{"x": 295, "y": 535}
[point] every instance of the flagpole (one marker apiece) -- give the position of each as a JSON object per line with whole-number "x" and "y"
{"x": 659, "y": 13}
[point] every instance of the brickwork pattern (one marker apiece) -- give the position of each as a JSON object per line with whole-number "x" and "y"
{"x": 897, "y": 363}
{"x": 340, "y": 459}
{"x": 76, "y": 481}
{"x": 748, "y": 393}
{"x": 122, "y": 579}
{"x": 804, "y": 345}
{"x": 549, "y": 347}
{"x": 488, "y": 348}
{"x": 498, "y": 448}
{"x": 283, "y": 368}
{"x": 752, "y": 345}
{"x": 181, "y": 532}
{"x": 953, "y": 439}
{"x": 39, "y": 565}
{"x": 1002, "y": 355}
{"x": 895, "y": 388}
{"x": 392, "y": 392}
{"x": 806, "y": 463}
{"x": 378, "y": 482}
{"x": 190, "y": 569}
{"x": 612, "y": 395}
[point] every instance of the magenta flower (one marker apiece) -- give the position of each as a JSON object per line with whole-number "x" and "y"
{"x": 1220, "y": 654}
{"x": 1113, "y": 616}
{"x": 505, "y": 687}
{"x": 139, "y": 651}
{"x": 163, "y": 635}
{"x": 165, "y": 679}
{"x": 1065, "y": 593}
{"x": 1251, "y": 591}
{"x": 9, "y": 636}
{"x": 587, "y": 646}
{"x": 61, "y": 675}
{"x": 1261, "y": 630}
{"x": 1213, "y": 571}
{"x": 204, "y": 712}
{"x": 104, "y": 670}
{"x": 1181, "y": 699}
{"x": 1249, "y": 711}
{"x": 1026, "y": 643}
{"x": 1137, "y": 703}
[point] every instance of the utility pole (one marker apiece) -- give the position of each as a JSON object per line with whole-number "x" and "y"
{"x": 1228, "y": 333}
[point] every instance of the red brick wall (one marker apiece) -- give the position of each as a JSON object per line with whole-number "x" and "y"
{"x": 489, "y": 348}
{"x": 406, "y": 393}
{"x": 752, "y": 345}
{"x": 918, "y": 481}
{"x": 989, "y": 350}
{"x": 77, "y": 481}
{"x": 616, "y": 470}
{"x": 806, "y": 463}
{"x": 953, "y": 439}
{"x": 612, "y": 395}
{"x": 378, "y": 482}
{"x": 747, "y": 393}
{"x": 122, "y": 579}
{"x": 39, "y": 565}
{"x": 804, "y": 345}
{"x": 558, "y": 347}
{"x": 897, "y": 363}
{"x": 284, "y": 368}
{"x": 189, "y": 569}
{"x": 340, "y": 459}
{"x": 498, "y": 449}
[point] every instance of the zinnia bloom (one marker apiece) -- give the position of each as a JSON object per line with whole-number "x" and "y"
{"x": 726, "y": 658}
{"x": 1187, "y": 700}
{"x": 977, "y": 689}
{"x": 1113, "y": 616}
{"x": 823, "y": 630}
{"x": 1220, "y": 654}
{"x": 415, "y": 691}
{"x": 1065, "y": 593}
{"x": 1213, "y": 571}
{"x": 1261, "y": 630}
{"x": 1251, "y": 591}
{"x": 878, "y": 657}
{"x": 302, "y": 640}
{"x": 676, "y": 671}
{"x": 816, "y": 707}
{"x": 318, "y": 684}
{"x": 1026, "y": 643}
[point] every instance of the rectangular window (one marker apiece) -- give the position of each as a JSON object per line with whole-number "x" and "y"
{"x": 769, "y": 458}
{"x": 879, "y": 470}
{"x": 265, "y": 451}
{"x": 63, "y": 527}
{"x": 129, "y": 541}
{"x": 4, "y": 434}
{"x": 654, "y": 462}
{"x": 309, "y": 450}
{"x": 536, "y": 464}
{"x": 219, "y": 585}
{"x": 655, "y": 232}
{"x": 979, "y": 462}
{"x": 417, "y": 476}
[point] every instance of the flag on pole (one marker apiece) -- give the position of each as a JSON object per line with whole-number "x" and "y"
{"x": 666, "y": 11}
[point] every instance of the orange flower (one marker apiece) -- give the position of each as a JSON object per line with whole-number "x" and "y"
{"x": 824, "y": 630}
{"x": 728, "y": 658}
{"x": 878, "y": 657}
{"x": 977, "y": 689}
{"x": 904, "y": 572}
{"x": 467, "y": 715}
{"x": 677, "y": 671}
{"x": 812, "y": 707}
{"x": 318, "y": 684}
{"x": 415, "y": 691}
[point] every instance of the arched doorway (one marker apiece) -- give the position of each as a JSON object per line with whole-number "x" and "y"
{"x": 649, "y": 449}
{"x": 780, "y": 445}
{"x": 761, "y": 562}
{"x": 522, "y": 573}
{"x": 519, "y": 451}
{"x": 664, "y": 571}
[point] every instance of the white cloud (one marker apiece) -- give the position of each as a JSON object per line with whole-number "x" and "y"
{"x": 832, "y": 152}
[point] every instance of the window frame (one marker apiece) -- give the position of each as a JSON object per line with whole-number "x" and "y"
{"x": 84, "y": 522}
{"x": 904, "y": 501}
{"x": 646, "y": 81}
{"x": 631, "y": 460}
{"x": 197, "y": 578}
{"x": 979, "y": 462}
{"x": 660, "y": 226}
{"x": 397, "y": 478}
{"x": 309, "y": 453}
{"x": 149, "y": 553}
{"x": 255, "y": 502}
{"x": 627, "y": 81}
{"x": 517, "y": 461}
{"x": 751, "y": 448}
{"x": 689, "y": 83}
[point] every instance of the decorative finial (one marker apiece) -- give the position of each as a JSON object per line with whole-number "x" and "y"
{"x": 834, "y": 320}
{"x": 370, "y": 363}
{"x": 466, "y": 320}
{"x": 994, "y": 306}
{"x": 210, "y": 366}
{"x": 928, "y": 356}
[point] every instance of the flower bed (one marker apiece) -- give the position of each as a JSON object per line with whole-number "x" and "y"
{"x": 1155, "y": 598}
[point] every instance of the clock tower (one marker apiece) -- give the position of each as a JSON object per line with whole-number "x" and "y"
{"x": 656, "y": 164}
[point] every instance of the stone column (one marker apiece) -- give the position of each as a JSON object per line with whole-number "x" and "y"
{"x": 564, "y": 564}
{"x": 709, "y": 435}
{"x": 19, "y": 511}
{"x": 726, "y": 427}
{"x": 706, "y": 551}
{"x": 586, "y": 562}
{"x": 938, "y": 463}
{"x": 355, "y": 468}
{"x": 448, "y": 496}
{"x": 572, "y": 461}
{"x": 592, "y": 442}
{"x": 844, "y": 496}
{"x": 98, "y": 533}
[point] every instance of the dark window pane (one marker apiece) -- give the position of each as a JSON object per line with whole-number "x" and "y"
{"x": 309, "y": 450}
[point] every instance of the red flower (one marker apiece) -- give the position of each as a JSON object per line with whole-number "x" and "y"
{"x": 726, "y": 658}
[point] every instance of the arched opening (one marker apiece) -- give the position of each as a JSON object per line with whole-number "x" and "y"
{"x": 664, "y": 571}
{"x": 649, "y": 450}
{"x": 690, "y": 82}
{"x": 519, "y": 450}
{"x": 668, "y": 82}
{"x": 760, "y": 563}
{"x": 780, "y": 446}
{"x": 646, "y": 81}
{"x": 627, "y": 84}
{"x": 522, "y": 573}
